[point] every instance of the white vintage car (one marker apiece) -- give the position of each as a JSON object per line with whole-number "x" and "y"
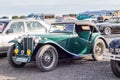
{"x": 10, "y": 29}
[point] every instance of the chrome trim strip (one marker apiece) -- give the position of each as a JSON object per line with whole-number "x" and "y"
{"x": 23, "y": 44}
{"x": 27, "y": 41}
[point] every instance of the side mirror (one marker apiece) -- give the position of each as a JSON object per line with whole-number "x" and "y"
{"x": 9, "y": 31}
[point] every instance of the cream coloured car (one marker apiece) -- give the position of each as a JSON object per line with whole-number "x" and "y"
{"x": 10, "y": 29}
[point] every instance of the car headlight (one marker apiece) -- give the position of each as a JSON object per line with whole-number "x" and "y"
{"x": 16, "y": 51}
{"x": 37, "y": 39}
{"x": 19, "y": 39}
{"x": 28, "y": 52}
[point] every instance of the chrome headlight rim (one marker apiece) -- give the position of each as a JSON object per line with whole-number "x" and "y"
{"x": 37, "y": 39}
{"x": 20, "y": 38}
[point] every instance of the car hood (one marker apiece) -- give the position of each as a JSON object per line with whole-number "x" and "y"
{"x": 115, "y": 43}
{"x": 56, "y": 37}
{"x": 103, "y": 24}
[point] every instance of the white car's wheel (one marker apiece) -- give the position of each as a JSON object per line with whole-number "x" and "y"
{"x": 11, "y": 58}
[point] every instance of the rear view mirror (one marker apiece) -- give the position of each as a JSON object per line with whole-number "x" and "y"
{"x": 9, "y": 31}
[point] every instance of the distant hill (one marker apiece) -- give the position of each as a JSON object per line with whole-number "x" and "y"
{"x": 97, "y": 13}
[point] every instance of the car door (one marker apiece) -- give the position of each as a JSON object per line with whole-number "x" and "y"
{"x": 118, "y": 25}
{"x": 82, "y": 40}
{"x": 1, "y": 43}
{"x": 14, "y": 30}
{"x": 115, "y": 25}
{"x": 2, "y": 27}
{"x": 35, "y": 27}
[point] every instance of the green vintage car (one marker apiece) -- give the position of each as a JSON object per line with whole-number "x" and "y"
{"x": 64, "y": 40}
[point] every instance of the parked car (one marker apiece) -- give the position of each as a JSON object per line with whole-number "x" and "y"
{"x": 111, "y": 26}
{"x": 83, "y": 16}
{"x": 66, "y": 40}
{"x": 92, "y": 19}
{"x": 114, "y": 57}
{"x": 10, "y": 29}
{"x": 64, "y": 19}
{"x": 103, "y": 18}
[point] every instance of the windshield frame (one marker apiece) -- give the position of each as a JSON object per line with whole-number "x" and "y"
{"x": 5, "y": 24}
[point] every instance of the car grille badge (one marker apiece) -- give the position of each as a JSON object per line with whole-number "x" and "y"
{"x": 22, "y": 52}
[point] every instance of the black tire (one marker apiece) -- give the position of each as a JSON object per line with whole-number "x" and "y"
{"x": 98, "y": 50}
{"x": 46, "y": 58}
{"x": 11, "y": 61}
{"x": 107, "y": 30}
{"x": 115, "y": 66}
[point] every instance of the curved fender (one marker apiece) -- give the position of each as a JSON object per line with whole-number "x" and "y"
{"x": 15, "y": 42}
{"x": 115, "y": 43}
{"x": 106, "y": 44}
{"x": 100, "y": 37}
{"x": 52, "y": 42}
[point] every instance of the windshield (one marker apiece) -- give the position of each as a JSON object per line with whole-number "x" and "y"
{"x": 114, "y": 20}
{"x": 2, "y": 26}
{"x": 62, "y": 28}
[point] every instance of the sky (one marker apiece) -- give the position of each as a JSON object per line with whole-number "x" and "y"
{"x": 21, "y": 7}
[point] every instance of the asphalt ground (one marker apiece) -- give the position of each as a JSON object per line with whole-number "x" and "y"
{"x": 77, "y": 70}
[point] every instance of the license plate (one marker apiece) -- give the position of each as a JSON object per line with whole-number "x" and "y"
{"x": 22, "y": 59}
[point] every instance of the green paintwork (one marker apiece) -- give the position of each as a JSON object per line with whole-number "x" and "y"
{"x": 72, "y": 42}
{"x": 75, "y": 43}
{"x": 63, "y": 39}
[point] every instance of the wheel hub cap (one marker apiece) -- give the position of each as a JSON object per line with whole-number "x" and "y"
{"x": 47, "y": 58}
{"x": 98, "y": 49}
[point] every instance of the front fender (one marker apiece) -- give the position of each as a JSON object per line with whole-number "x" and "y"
{"x": 58, "y": 45}
{"x": 100, "y": 37}
{"x": 15, "y": 42}
{"x": 106, "y": 44}
{"x": 115, "y": 43}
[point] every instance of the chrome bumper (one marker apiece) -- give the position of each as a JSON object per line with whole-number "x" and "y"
{"x": 111, "y": 57}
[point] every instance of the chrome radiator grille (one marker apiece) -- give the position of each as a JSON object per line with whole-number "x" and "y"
{"x": 27, "y": 44}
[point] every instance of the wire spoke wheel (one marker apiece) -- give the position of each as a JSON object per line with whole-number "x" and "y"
{"x": 98, "y": 50}
{"x": 46, "y": 58}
